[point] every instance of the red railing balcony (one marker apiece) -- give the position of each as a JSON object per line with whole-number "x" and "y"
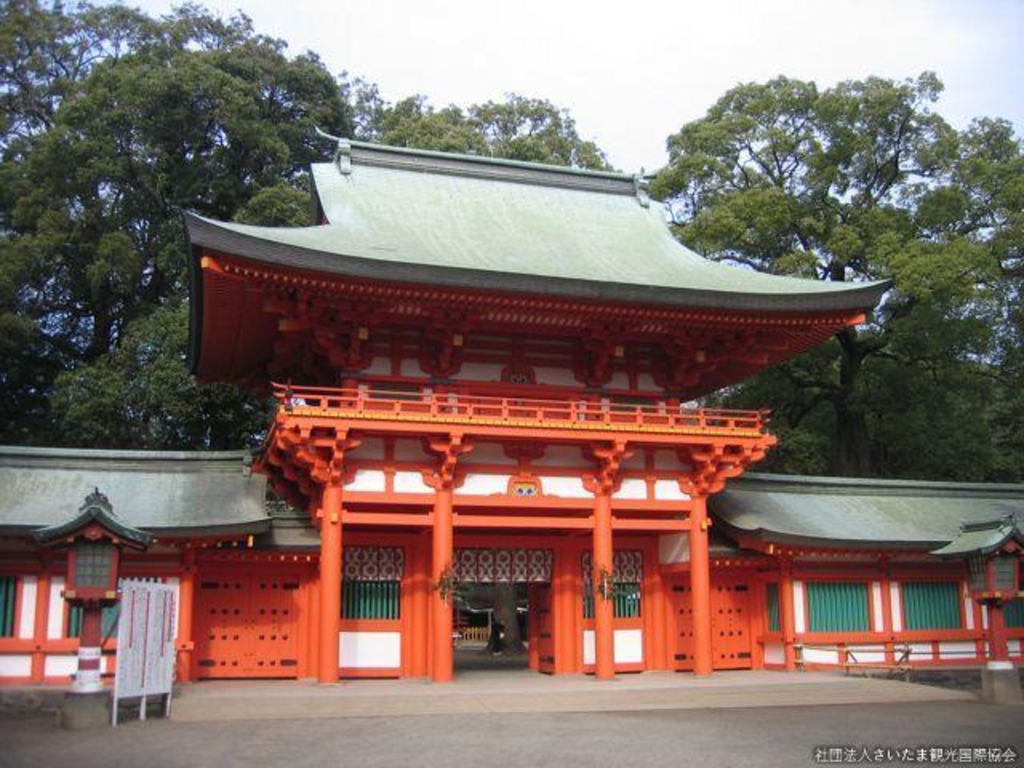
{"x": 573, "y": 414}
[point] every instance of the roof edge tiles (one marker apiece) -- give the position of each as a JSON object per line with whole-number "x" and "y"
{"x": 850, "y": 513}
{"x": 261, "y": 244}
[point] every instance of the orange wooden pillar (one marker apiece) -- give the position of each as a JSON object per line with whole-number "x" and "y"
{"x": 885, "y": 587}
{"x": 330, "y": 582}
{"x": 787, "y": 616}
{"x": 700, "y": 586}
{"x": 40, "y": 622}
{"x": 565, "y": 608}
{"x": 419, "y": 641}
{"x": 441, "y": 670}
{"x": 186, "y": 611}
{"x": 603, "y": 569}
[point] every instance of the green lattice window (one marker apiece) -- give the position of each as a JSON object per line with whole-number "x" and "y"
{"x": 837, "y": 606}
{"x": 931, "y": 604}
{"x": 772, "y": 603}
{"x": 1013, "y": 613}
{"x": 108, "y": 621}
{"x": 370, "y": 599}
{"x": 8, "y": 605}
{"x": 625, "y": 601}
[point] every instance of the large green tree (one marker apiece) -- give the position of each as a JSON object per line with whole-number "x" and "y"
{"x": 864, "y": 181}
{"x": 115, "y": 123}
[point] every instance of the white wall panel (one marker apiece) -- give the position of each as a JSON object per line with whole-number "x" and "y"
{"x": 565, "y": 487}
{"x": 27, "y": 614}
{"x": 370, "y": 650}
{"x": 411, "y": 482}
{"x": 16, "y": 665}
{"x": 799, "y": 615}
{"x": 368, "y": 480}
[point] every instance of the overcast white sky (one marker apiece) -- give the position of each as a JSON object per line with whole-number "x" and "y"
{"x": 631, "y": 73}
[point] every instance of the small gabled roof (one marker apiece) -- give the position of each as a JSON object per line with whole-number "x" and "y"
{"x": 983, "y": 538}
{"x": 95, "y": 509}
{"x": 858, "y": 513}
{"x": 461, "y": 221}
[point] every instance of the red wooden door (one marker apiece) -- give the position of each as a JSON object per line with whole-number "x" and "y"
{"x": 247, "y": 625}
{"x": 730, "y": 623}
{"x": 544, "y": 634}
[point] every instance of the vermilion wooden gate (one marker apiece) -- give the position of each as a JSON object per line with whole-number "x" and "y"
{"x": 247, "y": 625}
{"x": 543, "y": 633}
{"x": 730, "y": 622}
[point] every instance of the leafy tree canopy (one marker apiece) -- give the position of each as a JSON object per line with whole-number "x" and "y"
{"x": 864, "y": 181}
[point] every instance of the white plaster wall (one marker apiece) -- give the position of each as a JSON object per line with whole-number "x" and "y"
{"x": 629, "y": 646}
{"x": 565, "y": 487}
{"x": 27, "y": 614}
{"x": 645, "y": 381}
{"x": 409, "y": 450}
{"x": 674, "y": 548}
{"x": 16, "y": 665}
{"x": 411, "y": 482}
{"x": 897, "y": 606}
{"x": 368, "y": 480}
{"x": 370, "y": 650}
{"x": 669, "y": 490}
{"x": 820, "y": 656}
{"x": 559, "y": 377}
{"x": 799, "y": 617}
{"x": 774, "y": 653}
{"x": 968, "y": 613}
{"x": 1014, "y": 647}
{"x": 59, "y": 666}
{"x": 477, "y": 484}
{"x": 920, "y": 651}
{"x": 876, "y": 605}
{"x": 869, "y": 654}
{"x": 632, "y": 488}
{"x": 381, "y": 366}
{"x": 55, "y": 617}
{"x": 560, "y": 456}
{"x": 984, "y": 617}
{"x": 962, "y": 651}
{"x": 480, "y": 371}
{"x": 486, "y": 453}
{"x": 620, "y": 380}
{"x": 668, "y": 460}
{"x": 370, "y": 448}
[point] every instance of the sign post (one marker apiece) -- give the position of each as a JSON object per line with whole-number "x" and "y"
{"x": 145, "y": 644}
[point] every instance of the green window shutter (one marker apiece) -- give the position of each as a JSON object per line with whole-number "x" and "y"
{"x": 772, "y": 600}
{"x": 931, "y": 604}
{"x": 1013, "y": 613}
{"x": 837, "y": 606}
{"x": 370, "y": 599}
{"x": 8, "y": 599}
{"x": 108, "y": 621}
{"x": 627, "y": 600}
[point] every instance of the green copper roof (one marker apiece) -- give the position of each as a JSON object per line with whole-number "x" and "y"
{"x": 159, "y": 492}
{"x": 982, "y": 538}
{"x": 826, "y": 511}
{"x": 462, "y": 221}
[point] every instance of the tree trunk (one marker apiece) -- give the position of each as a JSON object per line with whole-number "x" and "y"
{"x": 506, "y": 613}
{"x": 853, "y": 444}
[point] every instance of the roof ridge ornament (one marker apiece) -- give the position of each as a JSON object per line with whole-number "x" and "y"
{"x": 342, "y": 151}
{"x": 641, "y": 187}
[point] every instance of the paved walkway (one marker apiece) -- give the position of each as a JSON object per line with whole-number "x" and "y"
{"x": 518, "y": 691}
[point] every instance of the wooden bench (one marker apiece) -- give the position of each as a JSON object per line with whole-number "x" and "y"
{"x": 901, "y": 665}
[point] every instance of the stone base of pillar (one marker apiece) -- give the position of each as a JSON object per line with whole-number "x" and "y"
{"x": 81, "y": 711}
{"x": 1000, "y": 683}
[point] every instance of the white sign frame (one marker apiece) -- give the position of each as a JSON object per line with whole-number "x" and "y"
{"x": 145, "y": 644}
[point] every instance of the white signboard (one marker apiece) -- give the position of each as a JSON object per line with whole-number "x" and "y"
{"x": 145, "y": 643}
